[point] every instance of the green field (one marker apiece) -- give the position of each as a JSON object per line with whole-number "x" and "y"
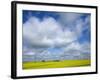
{"x": 55, "y": 64}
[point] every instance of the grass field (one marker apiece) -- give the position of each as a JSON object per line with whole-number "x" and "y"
{"x": 55, "y": 64}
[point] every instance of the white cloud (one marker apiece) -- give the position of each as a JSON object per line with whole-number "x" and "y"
{"x": 46, "y": 33}
{"x": 75, "y": 22}
{"x": 81, "y": 47}
{"x": 29, "y": 53}
{"x": 69, "y": 18}
{"x": 77, "y": 51}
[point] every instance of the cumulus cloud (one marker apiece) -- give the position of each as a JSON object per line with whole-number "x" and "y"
{"x": 69, "y": 18}
{"x": 77, "y": 50}
{"x": 46, "y": 33}
{"x": 75, "y": 22}
{"x": 40, "y": 35}
{"x": 84, "y": 47}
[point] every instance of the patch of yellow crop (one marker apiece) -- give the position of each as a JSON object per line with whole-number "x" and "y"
{"x": 55, "y": 64}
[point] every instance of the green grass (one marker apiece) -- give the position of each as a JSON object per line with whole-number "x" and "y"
{"x": 55, "y": 64}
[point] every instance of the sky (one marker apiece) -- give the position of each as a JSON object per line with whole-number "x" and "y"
{"x": 56, "y": 35}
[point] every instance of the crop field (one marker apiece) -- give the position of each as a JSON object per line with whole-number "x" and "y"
{"x": 55, "y": 64}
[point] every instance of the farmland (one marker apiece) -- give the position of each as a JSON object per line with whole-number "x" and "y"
{"x": 55, "y": 64}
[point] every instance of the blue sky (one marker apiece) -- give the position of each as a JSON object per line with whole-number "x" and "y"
{"x": 63, "y": 31}
{"x": 38, "y": 14}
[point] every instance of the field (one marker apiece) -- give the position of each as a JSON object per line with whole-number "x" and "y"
{"x": 55, "y": 64}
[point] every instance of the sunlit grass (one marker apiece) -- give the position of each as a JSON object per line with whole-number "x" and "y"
{"x": 55, "y": 64}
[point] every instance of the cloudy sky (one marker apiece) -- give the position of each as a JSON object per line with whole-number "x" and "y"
{"x": 58, "y": 33}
